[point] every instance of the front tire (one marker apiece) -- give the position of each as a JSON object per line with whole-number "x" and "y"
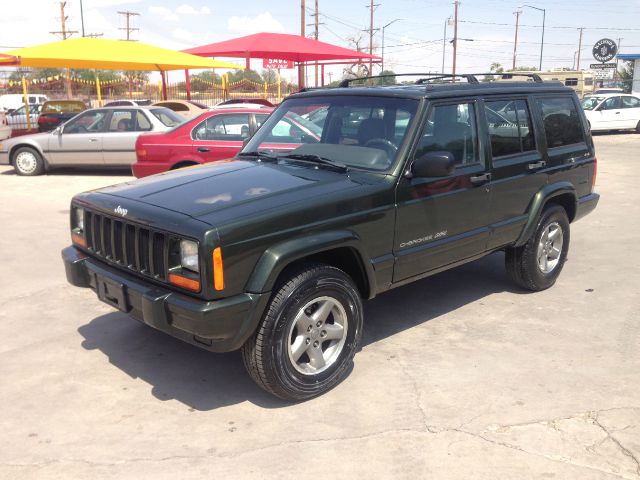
{"x": 28, "y": 162}
{"x": 638, "y": 128}
{"x": 537, "y": 264}
{"x": 308, "y": 336}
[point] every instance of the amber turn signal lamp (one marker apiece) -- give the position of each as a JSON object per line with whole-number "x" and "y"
{"x": 184, "y": 282}
{"x": 78, "y": 240}
{"x": 218, "y": 269}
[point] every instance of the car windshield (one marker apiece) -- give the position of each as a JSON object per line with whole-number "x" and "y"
{"x": 356, "y": 131}
{"x": 589, "y": 103}
{"x": 64, "y": 106}
{"x": 167, "y": 117}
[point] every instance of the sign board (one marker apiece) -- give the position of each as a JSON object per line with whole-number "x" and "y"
{"x": 603, "y": 74}
{"x": 276, "y": 63}
{"x": 604, "y": 50}
{"x": 602, "y": 66}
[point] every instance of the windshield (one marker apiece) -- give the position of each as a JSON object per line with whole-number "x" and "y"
{"x": 168, "y": 117}
{"x": 589, "y": 103}
{"x": 355, "y": 131}
{"x": 64, "y": 107}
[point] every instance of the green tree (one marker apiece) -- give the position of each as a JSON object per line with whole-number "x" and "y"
{"x": 241, "y": 74}
{"x": 626, "y": 74}
{"x": 391, "y": 80}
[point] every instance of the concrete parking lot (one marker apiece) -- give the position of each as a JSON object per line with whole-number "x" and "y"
{"x": 461, "y": 375}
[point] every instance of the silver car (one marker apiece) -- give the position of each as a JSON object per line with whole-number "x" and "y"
{"x": 96, "y": 137}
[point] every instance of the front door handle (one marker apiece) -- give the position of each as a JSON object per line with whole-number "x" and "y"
{"x": 536, "y": 165}
{"x": 480, "y": 179}
{"x": 203, "y": 149}
{"x": 93, "y": 139}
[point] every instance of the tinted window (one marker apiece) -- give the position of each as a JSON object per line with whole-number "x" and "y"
{"x": 175, "y": 106}
{"x": 452, "y": 128}
{"x": 509, "y": 126}
{"x": 63, "y": 107}
{"x": 562, "y": 125}
{"x": 612, "y": 103}
{"x": 143, "y": 122}
{"x": 630, "y": 102}
{"x": 122, "y": 121}
{"x": 168, "y": 117}
{"x": 260, "y": 118}
{"x": 234, "y": 127}
{"x": 91, "y": 121}
{"x": 571, "y": 82}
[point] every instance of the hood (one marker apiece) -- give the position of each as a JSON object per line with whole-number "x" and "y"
{"x": 229, "y": 189}
{"x": 41, "y": 139}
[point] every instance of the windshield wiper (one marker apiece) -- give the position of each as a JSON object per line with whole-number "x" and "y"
{"x": 258, "y": 156}
{"x": 316, "y": 159}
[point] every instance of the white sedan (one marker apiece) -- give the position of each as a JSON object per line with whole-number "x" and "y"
{"x": 613, "y": 111}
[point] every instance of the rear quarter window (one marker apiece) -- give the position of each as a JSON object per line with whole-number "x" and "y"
{"x": 562, "y": 123}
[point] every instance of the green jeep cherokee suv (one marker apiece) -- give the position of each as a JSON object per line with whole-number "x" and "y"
{"x": 341, "y": 194}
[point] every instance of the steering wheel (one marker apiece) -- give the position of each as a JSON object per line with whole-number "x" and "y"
{"x": 387, "y": 145}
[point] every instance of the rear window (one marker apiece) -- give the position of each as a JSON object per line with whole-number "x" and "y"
{"x": 175, "y": 106}
{"x": 167, "y": 117}
{"x": 64, "y": 107}
{"x": 562, "y": 124}
{"x": 509, "y": 127}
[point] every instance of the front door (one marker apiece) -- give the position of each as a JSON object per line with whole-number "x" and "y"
{"x": 80, "y": 142}
{"x": 443, "y": 220}
{"x": 609, "y": 114}
{"x": 220, "y": 136}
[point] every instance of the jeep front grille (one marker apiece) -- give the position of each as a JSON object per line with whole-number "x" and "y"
{"x": 137, "y": 248}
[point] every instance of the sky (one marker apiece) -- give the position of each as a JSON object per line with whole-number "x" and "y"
{"x": 414, "y": 43}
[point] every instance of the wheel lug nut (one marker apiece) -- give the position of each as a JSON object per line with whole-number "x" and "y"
{"x": 308, "y": 340}
{"x": 319, "y": 323}
{"x": 309, "y": 328}
{"x": 323, "y": 333}
{"x": 316, "y": 343}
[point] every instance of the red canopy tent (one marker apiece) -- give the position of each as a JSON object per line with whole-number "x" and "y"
{"x": 281, "y": 46}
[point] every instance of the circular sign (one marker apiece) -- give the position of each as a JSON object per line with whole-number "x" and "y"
{"x": 604, "y": 50}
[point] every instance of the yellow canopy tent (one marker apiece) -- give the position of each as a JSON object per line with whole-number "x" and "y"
{"x": 98, "y": 53}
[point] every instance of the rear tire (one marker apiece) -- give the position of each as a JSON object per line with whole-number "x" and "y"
{"x": 308, "y": 336}
{"x": 537, "y": 264}
{"x": 638, "y": 128}
{"x": 28, "y": 162}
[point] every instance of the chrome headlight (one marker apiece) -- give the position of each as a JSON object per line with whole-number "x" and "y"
{"x": 78, "y": 218}
{"x": 189, "y": 255}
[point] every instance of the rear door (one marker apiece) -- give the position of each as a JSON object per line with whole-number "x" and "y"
{"x": 80, "y": 143}
{"x": 518, "y": 168}
{"x": 119, "y": 140}
{"x": 443, "y": 220}
{"x": 630, "y": 112}
{"x": 220, "y": 136}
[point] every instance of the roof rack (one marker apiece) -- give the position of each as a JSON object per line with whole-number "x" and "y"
{"x": 430, "y": 77}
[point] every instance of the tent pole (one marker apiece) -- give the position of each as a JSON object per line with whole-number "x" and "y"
{"x": 187, "y": 83}
{"x": 322, "y": 74}
{"x": 247, "y": 64}
{"x": 26, "y": 102}
{"x": 164, "y": 85}
{"x": 98, "y": 90}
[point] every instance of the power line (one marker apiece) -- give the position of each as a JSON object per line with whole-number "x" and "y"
{"x": 128, "y": 28}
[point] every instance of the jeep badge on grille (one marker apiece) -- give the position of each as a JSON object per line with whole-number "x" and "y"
{"x": 120, "y": 211}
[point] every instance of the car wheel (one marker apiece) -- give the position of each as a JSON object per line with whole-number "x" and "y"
{"x": 308, "y": 336}
{"x": 638, "y": 128}
{"x": 27, "y": 161}
{"x": 537, "y": 264}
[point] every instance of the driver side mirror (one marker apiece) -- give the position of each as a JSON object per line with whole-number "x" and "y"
{"x": 433, "y": 164}
{"x": 59, "y": 129}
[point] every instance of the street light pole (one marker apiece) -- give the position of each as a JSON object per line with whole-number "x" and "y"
{"x": 544, "y": 16}
{"x": 385, "y": 26}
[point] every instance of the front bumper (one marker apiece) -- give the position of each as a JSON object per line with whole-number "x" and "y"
{"x": 220, "y": 325}
{"x": 586, "y": 205}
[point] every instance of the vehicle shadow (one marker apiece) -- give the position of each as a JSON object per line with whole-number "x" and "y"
{"x": 205, "y": 381}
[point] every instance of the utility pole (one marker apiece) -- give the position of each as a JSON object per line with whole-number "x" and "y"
{"x": 372, "y": 6}
{"x": 64, "y": 34}
{"x": 448, "y": 21}
{"x": 128, "y": 27}
{"x": 302, "y": 34}
{"x": 455, "y": 37}
{"x": 579, "y": 48}
{"x": 515, "y": 43}
{"x": 316, "y": 37}
{"x": 316, "y": 33}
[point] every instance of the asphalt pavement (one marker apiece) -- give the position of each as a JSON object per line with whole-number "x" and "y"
{"x": 461, "y": 375}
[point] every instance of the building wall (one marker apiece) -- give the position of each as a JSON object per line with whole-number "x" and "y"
{"x": 635, "y": 88}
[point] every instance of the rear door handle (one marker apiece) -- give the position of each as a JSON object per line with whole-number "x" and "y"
{"x": 480, "y": 179}
{"x": 203, "y": 149}
{"x": 536, "y": 165}
{"x": 93, "y": 139}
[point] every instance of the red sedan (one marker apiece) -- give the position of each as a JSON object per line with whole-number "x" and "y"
{"x": 214, "y": 135}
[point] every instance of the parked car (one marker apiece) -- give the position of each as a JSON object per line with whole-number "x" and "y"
{"x": 96, "y": 137}
{"x": 5, "y": 128}
{"x": 186, "y": 108}
{"x": 18, "y": 118}
{"x": 612, "y": 111}
{"x": 274, "y": 252}
{"x": 55, "y": 112}
{"x": 12, "y": 101}
{"x": 143, "y": 102}
{"x": 252, "y": 101}
{"x": 603, "y": 91}
{"x": 215, "y": 135}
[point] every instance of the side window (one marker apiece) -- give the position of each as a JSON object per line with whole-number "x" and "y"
{"x": 611, "y": 103}
{"x": 562, "y": 124}
{"x": 260, "y": 118}
{"x": 452, "y": 128}
{"x": 571, "y": 82}
{"x": 509, "y": 124}
{"x": 143, "y": 123}
{"x": 121, "y": 121}
{"x": 630, "y": 102}
{"x": 90, "y": 121}
{"x": 233, "y": 127}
